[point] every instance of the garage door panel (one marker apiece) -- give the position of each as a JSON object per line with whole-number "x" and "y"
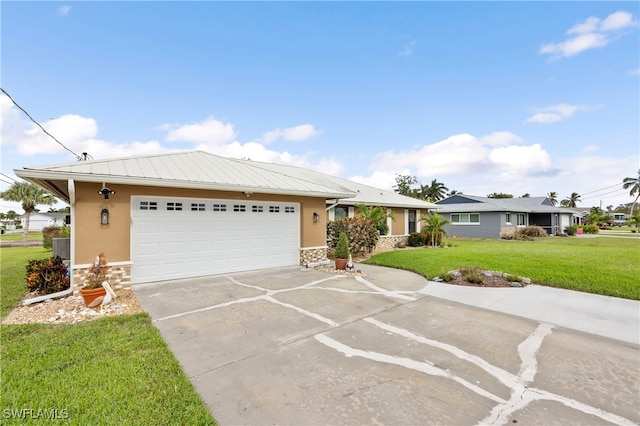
{"x": 169, "y": 244}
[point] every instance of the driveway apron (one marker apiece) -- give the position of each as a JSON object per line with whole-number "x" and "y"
{"x": 300, "y": 346}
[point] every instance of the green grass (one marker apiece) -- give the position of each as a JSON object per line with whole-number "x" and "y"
{"x": 114, "y": 370}
{"x": 608, "y": 266}
{"x": 35, "y": 235}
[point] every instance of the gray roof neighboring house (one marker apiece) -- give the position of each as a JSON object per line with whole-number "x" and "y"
{"x": 460, "y": 203}
{"x": 202, "y": 170}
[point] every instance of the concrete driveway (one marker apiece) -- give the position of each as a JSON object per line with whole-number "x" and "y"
{"x": 291, "y": 346}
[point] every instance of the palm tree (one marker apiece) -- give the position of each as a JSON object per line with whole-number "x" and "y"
{"x": 435, "y": 192}
{"x": 553, "y": 198}
{"x": 571, "y": 201}
{"x": 377, "y": 215}
{"x": 634, "y": 184}
{"x": 30, "y": 196}
{"x": 435, "y": 227}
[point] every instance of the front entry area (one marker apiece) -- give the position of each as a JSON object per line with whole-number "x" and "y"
{"x": 174, "y": 238}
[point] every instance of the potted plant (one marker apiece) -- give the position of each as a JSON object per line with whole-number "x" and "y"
{"x": 92, "y": 287}
{"x": 341, "y": 252}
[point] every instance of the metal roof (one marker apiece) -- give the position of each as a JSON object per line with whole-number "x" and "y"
{"x": 474, "y": 203}
{"x": 202, "y": 170}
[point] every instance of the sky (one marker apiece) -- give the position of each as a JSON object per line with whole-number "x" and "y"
{"x": 511, "y": 97}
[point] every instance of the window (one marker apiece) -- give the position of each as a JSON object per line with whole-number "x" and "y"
{"x": 508, "y": 218}
{"x": 520, "y": 219}
{"x": 174, "y": 206}
{"x": 341, "y": 212}
{"x": 239, "y": 208}
{"x": 412, "y": 221}
{"x": 465, "y": 218}
{"x": 274, "y": 209}
{"x": 148, "y": 205}
{"x": 289, "y": 209}
{"x": 219, "y": 207}
{"x": 197, "y": 207}
{"x": 257, "y": 209}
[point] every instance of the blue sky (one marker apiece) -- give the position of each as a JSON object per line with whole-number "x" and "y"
{"x": 514, "y": 97}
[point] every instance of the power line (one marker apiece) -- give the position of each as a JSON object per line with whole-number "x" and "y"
{"x": 8, "y": 177}
{"x": 600, "y": 195}
{"x": 602, "y": 189}
{"x": 38, "y": 124}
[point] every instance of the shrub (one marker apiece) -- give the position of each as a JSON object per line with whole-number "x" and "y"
{"x": 474, "y": 278}
{"x": 531, "y": 231}
{"x": 97, "y": 273}
{"x": 571, "y": 230}
{"x": 47, "y": 275}
{"x": 590, "y": 228}
{"x": 508, "y": 233}
{"x": 51, "y": 232}
{"x": 361, "y": 233}
{"x": 415, "y": 239}
{"x": 513, "y": 278}
{"x": 447, "y": 277}
{"x": 342, "y": 248}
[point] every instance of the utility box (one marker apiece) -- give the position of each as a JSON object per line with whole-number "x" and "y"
{"x": 62, "y": 247}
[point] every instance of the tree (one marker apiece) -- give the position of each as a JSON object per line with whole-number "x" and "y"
{"x": 435, "y": 228}
{"x": 30, "y": 196}
{"x": 499, "y": 195}
{"x": 378, "y": 216}
{"x": 634, "y": 184}
{"x": 434, "y": 192}
{"x": 403, "y": 185}
{"x": 553, "y": 198}
{"x": 571, "y": 201}
{"x": 453, "y": 192}
{"x": 527, "y": 195}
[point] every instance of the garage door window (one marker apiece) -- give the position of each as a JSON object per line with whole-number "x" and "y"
{"x": 148, "y": 205}
{"x": 257, "y": 209}
{"x": 239, "y": 208}
{"x": 274, "y": 209}
{"x": 197, "y": 207}
{"x": 289, "y": 209}
{"x": 219, "y": 207}
{"x": 174, "y": 206}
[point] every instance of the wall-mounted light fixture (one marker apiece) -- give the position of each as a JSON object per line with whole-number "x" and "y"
{"x": 104, "y": 217}
{"x": 106, "y": 192}
{"x": 316, "y": 217}
{"x": 248, "y": 193}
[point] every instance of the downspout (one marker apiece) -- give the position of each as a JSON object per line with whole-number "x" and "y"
{"x": 63, "y": 293}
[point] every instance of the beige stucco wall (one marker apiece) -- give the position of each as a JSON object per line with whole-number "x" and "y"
{"x": 91, "y": 238}
{"x": 397, "y": 226}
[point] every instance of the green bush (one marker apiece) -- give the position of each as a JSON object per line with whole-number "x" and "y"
{"x": 361, "y": 233}
{"x": 415, "y": 239}
{"x": 51, "y": 232}
{"x": 47, "y": 275}
{"x": 342, "y": 248}
{"x": 474, "y": 278}
{"x": 571, "y": 230}
{"x": 513, "y": 278}
{"x": 590, "y": 228}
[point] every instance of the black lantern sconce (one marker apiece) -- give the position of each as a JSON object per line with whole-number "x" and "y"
{"x": 104, "y": 217}
{"x": 106, "y": 192}
{"x": 316, "y": 217}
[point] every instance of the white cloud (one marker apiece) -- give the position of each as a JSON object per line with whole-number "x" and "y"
{"x": 501, "y": 139}
{"x": 407, "y": 49}
{"x": 554, "y": 113}
{"x": 64, "y": 10}
{"x": 293, "y": 134}
{"x": 591, "y": 148}
{"x": 210, "y": 132}
{"x": 590, "y": 34}
{"x": 382, "y": 180}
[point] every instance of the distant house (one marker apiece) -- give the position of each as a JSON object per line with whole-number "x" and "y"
{"x": 471, "y": 216}
{"x": 38, "y": 220}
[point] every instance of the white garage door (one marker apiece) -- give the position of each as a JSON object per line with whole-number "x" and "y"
{"x": 181, "y": 237}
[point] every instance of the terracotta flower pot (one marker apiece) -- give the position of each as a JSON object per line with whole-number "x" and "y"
{"x": 341, "y": 264}
{"x": 89, "y": 295}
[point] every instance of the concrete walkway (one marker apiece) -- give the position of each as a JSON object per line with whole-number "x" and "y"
{"x": 601, "y": 315}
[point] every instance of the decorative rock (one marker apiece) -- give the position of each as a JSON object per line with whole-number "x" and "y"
{"x": 516, "y": 284}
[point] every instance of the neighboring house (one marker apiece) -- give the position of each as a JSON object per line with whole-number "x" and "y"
{"x": 482, "y": 217}
{"x": 193, "y": 214}
{"x": 38, "y": 220}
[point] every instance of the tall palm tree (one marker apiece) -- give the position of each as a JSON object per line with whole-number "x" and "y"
{"x": 30, "y": 196}
{"x": 571, "y": 201}
{"x": 435, "y": 192}
{"x": 553, "y": 197}
{"x": 435, "y": 227}
{"x": 634, "y": 184}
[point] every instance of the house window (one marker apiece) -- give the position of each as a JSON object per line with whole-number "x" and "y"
{"x": 412, "y": 221}
{"x": 257, "y": 209}
{"x": 520, "y": 219}
{"x": 148, "y": 205}
{"x": 289, "y": 209}
{"x": 274, "y": 209}
{"x": 239, "y": 208}
{"x": 341, "y": 212}
{"x": 197, "y": 207}
{"x": 219, "y": 207}
{"x": 465, "y": 218}
{"x": 174, "y": 206}
{"x": 507, "y": 218}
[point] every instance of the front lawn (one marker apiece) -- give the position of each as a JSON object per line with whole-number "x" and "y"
{"x": 17, "y": 236}
{"x": 114, "y": 370}
{"x": 609, "y": 266}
